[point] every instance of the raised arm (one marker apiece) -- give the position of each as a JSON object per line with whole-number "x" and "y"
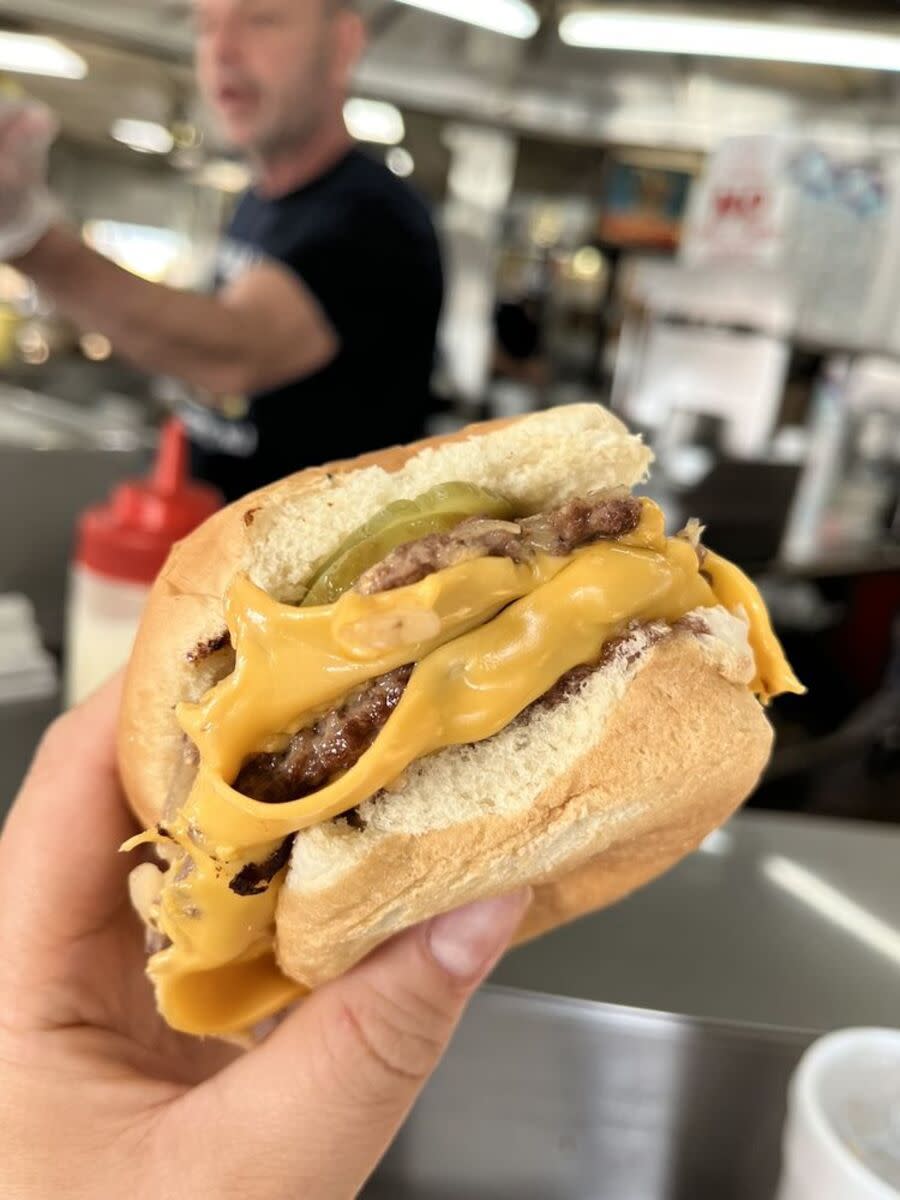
{"x": 262, "y": 330}
{"x": 258, "y": 332}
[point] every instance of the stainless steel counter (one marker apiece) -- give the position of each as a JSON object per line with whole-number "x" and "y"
{"x": 540, "y": 1099}
{"x": 21, "y": 727}
{"x": 42, "y": 493}
{"x": 781, "y": 921}
{"x": 790, "y": 921}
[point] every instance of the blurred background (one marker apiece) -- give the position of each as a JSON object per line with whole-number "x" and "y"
{"x": 710, "y": 243}
{"x": 689, "y": 214}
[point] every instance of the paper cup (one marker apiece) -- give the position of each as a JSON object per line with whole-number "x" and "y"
{"x": 842, "y": 1137}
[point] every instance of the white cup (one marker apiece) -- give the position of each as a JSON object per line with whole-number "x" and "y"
{"x": 842, "y": 1137}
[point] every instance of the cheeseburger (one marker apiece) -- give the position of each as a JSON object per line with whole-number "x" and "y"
{"x": 380, "y": 690}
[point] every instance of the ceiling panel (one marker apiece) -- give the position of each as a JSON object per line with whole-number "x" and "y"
{"x": 139, "y": 55}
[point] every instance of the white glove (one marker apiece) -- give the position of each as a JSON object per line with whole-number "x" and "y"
{"x": 27, "y": 209}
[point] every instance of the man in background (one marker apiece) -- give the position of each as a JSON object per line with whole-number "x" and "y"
{"x": 320, "y": 340}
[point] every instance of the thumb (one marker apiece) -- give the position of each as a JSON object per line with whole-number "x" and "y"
{"x": 312, "y": 1110}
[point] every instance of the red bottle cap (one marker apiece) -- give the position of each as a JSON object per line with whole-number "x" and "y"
{"x": 129, "y": 536}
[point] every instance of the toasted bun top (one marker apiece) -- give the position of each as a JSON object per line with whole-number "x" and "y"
{"x": 277, "y": 536}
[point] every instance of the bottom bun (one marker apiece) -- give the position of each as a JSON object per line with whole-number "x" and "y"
{"x": 585, "y": 802}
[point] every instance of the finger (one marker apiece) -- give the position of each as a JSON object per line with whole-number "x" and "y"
{"x": 40, "y": 121}
{"x": 331, "y": 1086}
{"x": 13, "y": 164}
{"x": 12, "y": 179}
{"x": 11, "y": 122}
{"x": 61, "y": 874}
{"x": 25, "y": 126}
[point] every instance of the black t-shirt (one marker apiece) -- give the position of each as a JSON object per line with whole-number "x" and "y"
{"x": 363, "y": 243}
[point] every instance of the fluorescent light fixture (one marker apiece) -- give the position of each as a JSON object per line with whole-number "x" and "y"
{"x": 147, "y": 137}
{"x": 587, "y": 264}
{"x": 515, "y": 18}
{"x": 374, "y": 121}
{"x": 400, "y": 161}
{"x": 28, "y": 54}
{"x": 832, "y": 904}
{"x": 721, "y": 37}
{"x": 95, "y": 347}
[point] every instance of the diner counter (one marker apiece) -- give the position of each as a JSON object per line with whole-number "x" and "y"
{"x": 778, "y": 920}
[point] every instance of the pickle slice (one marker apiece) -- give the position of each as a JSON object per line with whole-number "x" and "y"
{"x": 438, "y": 510}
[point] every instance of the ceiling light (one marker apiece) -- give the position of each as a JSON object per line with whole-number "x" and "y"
{"x": 224, "y": 175}
{"x": 95, "y": 346}
{"x": 546, "y": 227}
{"x": 147, "y": 137}
{"x": 834, "y": 905}
{"x": 400, "y": 161}
{"x": 721, "y": 37}
{"x": 515, "y": 18}
{"x": 28, "y": 54}
{"x": 374, "y": 121}
{"x": 15, "y": 289}
{"x": 33, "y": 346}
{"x": 186, "y": 136}
{"x": 587, "y": 263}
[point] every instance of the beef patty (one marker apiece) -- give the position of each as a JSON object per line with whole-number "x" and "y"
{"x": 326, "y": 748}
{"x": 603, "y": 515}
{"x": 282, "y": 777}
{"x": 335, "y": 742}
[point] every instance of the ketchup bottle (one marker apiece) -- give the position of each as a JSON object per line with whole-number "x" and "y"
{"x": 121, "y": 547}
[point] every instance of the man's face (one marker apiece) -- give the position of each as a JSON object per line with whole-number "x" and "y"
{"x": 269, "y": 69}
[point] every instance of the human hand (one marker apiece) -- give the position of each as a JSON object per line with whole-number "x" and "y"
{"x": 98, "y": 1097}
{"x": 26, "y": 207}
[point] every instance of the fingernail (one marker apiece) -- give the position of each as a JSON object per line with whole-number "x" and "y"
{"x": 468, "y": 941}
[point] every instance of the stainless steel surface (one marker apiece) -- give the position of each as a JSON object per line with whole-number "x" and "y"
{"x": 32, "y": 420}
{"x": 21, "y": 726}
{"x": 790, "y": 921}
{"x": 41, "y": 494}
{"x": 540, "y": 1099}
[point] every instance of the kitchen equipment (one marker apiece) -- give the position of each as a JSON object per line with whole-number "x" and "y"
{"x": 27, "y": 671}
{"x": 56, "y": 458}
{"x": 22, "y": 723}
{"x": 29, "y": 694}
{"x": 744, "y": 505}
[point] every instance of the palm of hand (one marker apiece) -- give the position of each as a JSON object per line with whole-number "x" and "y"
{"x": 82, "y": 1047}
{"x": 98, "y": 1096}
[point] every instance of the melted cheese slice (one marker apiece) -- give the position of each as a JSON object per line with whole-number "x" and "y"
{"x": 488, "y": 638}
{"x": 739, "y": 595}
